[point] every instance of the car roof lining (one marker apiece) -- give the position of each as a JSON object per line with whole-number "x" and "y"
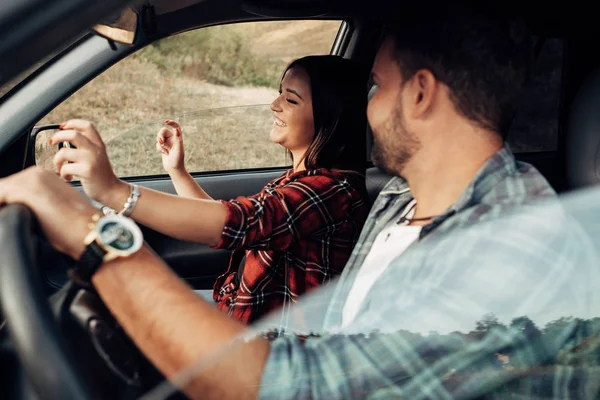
{"x": 544, "y": 19}
{"x": 265, "y": 8}
{"x": 167, "y": 6}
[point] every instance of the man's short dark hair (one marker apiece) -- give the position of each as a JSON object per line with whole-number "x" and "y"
{"x": 483, "y": 59}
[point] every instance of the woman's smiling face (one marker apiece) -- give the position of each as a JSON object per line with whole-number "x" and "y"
{"x": 293, "y": 127}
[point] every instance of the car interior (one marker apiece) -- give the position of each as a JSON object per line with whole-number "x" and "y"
{"x": 556, "y": 128}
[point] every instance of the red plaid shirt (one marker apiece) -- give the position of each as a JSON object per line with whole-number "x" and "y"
{"x": 296, "y": 234}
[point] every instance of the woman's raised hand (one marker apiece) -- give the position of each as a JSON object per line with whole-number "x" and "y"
{"x": 169, "y": 142}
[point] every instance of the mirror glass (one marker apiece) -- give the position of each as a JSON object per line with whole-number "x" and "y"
{"x": 44, "y": 152}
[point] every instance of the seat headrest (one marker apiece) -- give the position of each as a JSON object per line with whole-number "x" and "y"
{"x": 583, "y": 135}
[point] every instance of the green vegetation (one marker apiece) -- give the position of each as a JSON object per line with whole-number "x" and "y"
{"x": 221, "y": 55}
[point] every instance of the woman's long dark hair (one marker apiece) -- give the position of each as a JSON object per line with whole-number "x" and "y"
{"x": 339, "y": 100}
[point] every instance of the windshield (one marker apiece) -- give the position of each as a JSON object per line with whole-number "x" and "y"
{"x": 480, "y": 318}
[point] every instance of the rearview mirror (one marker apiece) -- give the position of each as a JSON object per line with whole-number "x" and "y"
{"x": 121, "y": 29}
{"x": 41, "y": 152}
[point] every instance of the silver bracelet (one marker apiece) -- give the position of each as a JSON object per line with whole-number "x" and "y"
{"x": 134, "y": 195}
{"x": 106, "y": 210}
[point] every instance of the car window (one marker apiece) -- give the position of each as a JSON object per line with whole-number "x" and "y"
{"x": 217, "y": 82}
{"x": 535, "y": 127}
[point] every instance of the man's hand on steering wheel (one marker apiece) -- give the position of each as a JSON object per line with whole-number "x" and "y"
{"x": 63, "y": 213}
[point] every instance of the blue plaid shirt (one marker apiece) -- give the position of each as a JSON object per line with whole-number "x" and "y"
{"x": 499, "y": 296}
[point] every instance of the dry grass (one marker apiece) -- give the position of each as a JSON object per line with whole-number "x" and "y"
{"x": 286, "y": 41}
{"x": 129, "y": 117}
{"x": 225, "y": 127}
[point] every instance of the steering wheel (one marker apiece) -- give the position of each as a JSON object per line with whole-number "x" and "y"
{"x": 33, "y": 331}
{"x": 37, "y": 328}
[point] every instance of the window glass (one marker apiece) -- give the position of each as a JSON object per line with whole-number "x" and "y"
{"x": 217, "y": 82}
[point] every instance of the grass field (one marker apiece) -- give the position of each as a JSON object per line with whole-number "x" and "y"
{"x": 217, "y": 82}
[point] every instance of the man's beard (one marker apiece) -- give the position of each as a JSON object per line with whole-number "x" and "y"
{"x": 393, "y": 145}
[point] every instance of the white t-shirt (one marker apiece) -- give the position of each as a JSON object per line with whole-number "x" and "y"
{"x": 389, "y": 244}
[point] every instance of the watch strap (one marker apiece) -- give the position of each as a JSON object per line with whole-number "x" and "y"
{"x": 89, "y": 262}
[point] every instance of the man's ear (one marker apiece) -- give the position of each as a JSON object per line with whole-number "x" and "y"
{"x": 423, "y": 92}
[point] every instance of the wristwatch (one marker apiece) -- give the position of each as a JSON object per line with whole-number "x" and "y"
{"x": 110, "y": 237}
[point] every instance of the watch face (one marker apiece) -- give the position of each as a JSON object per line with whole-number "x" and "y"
{"x": 119, "y": 234}
{"x": 116, "y": 236}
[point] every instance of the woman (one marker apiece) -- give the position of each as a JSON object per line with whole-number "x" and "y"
{"x": 294, "y": 235}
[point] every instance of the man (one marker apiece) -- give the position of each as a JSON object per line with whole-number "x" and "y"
{"x": 426, "y": 260}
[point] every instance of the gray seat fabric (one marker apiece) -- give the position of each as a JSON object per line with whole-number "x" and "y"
{"x": 583, "y": 138}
